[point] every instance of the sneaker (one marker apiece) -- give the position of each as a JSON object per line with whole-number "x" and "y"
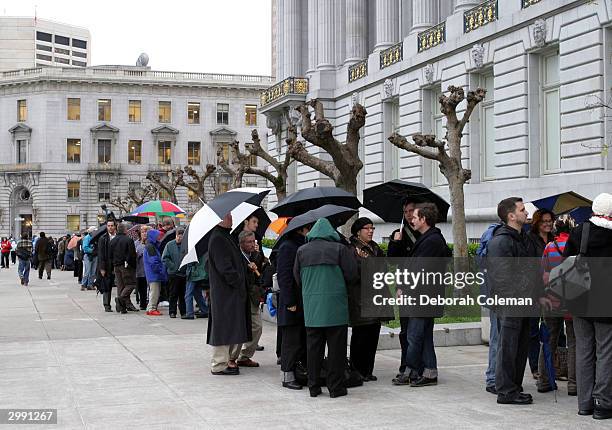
{"x": 154, "y": 313}
{"x": 402, "y": 379}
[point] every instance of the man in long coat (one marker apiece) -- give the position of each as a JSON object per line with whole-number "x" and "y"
{"x": 229, "y": 318}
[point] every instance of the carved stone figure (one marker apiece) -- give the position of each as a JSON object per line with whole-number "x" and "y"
{"x": 388, "y": 88}
{"x": 429, "y": 73}
{"x": 539, "y": 33}
{"x": 477, "y": 52}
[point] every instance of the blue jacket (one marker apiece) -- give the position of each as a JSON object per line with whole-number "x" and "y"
{"x": 87, "y": 248}
{"x": 154, "y": 268}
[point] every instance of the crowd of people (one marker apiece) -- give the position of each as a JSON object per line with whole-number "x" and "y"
{"x": 315, "y": 274}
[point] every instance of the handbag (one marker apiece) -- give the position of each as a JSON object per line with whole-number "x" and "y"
{"x": 572, "y": 278}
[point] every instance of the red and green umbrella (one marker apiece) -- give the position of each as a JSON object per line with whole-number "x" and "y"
{"x": 159, "y": 208}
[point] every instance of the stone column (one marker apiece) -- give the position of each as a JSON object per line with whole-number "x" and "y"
{"x": 312, "y": 35}
{"x": 387, "y": 23}
{"x": 292, "y": 38}
{"x": 423, "y": 15}
{"x": 326, "y": 52}
{"x": 463, "y": 5}
{"x": 356, "y": 31}
{"x": 280, "y": 35}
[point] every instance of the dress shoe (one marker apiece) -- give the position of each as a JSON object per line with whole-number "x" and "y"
{"x": 370, "y": 378}
{"x": 602, "y": 414}
{"x": 172, "y": 315}
{"x": 124, "y": 311}
{"x": 424, "y": 382}
{"x": 585, "y": 412}
{"x": 108, "y": 309}
{"x": 315, "y": 391}
{"x": 201, "y": 315}
{"x": 572, "y": 393}
{"x": 491, "y": 389}
{"x": 292, "y": 385}
{"x": 259, "y": 348}
{"x": 186, "y": 317}
{"x": 49, "y": 277}
{"x": 515, "y": 400}
{"x": 247, "y": 363}
{"x": 338, "y": 393}
{"x": 402, "y": 379}
{"x": 227, "y": 371}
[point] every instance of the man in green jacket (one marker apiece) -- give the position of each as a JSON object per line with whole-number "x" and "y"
{"x": 172, "y": 258}
{"x": 323, "y": 268}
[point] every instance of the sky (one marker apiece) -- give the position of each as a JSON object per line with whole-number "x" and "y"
{"x": 228, "y": 36}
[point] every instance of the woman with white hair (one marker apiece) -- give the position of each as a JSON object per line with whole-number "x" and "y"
{"x": 593, "y": 312}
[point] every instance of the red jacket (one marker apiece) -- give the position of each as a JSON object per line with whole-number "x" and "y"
{"x": 5, "y": 246}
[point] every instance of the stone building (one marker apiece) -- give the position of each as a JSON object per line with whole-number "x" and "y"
{"x": 74, "y": 138}
{"x": 544, "y": 63}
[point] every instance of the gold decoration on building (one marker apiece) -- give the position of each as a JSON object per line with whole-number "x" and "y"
{"x": 431, "y": 37}
{"x": 289, "y": 86}
{"x": 358, "y": 71}
{"x": 527, "y": 3}
{"x": 480, "y": 15}
{"x": 392, "y": 55}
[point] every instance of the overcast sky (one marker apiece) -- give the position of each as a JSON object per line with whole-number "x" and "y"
{"x": 227, "y": 36}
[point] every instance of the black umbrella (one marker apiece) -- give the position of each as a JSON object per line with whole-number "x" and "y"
{"x": 262, "y": 226}
{"x": 336, "y": 215}
{"x": 136, "y": 219}
{"x": 170, "y": 235}
{"x": 313, "y": 198}
{"x": 386, "y": 200}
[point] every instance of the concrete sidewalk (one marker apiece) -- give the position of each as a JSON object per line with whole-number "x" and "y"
{"x": 59, "y": 349}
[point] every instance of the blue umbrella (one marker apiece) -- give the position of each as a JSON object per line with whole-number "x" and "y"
{"x": 563, "y": 203}
{"x": 548, "y": 356}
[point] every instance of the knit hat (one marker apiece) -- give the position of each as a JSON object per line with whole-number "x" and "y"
{"x": 602, "y": 205}
{"x": 359, "y": 224}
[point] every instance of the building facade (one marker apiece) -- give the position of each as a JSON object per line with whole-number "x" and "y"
{"x": 32, "y": 42}
{"x": 76, "y": 138}
{"x": 544, "y": 63}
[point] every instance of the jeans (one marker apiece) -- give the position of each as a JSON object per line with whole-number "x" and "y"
{"x": 24, "y": 270}
{"x": 194, "y": 291}
{"x": 493, "y": 341}
{"x": 89, "y": 271}
{"x": 420, "y": 353}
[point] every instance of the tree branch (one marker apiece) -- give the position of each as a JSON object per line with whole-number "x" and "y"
{"x": 416, "y": 148}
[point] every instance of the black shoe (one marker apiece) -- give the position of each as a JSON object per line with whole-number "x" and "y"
{"x": 49, "y": 277}
{"x": 545, "y": 390}
{"x": 132, "y": 308}
{"x": 143, "y": 309}
{"x": 40, "y": 277}
{"x": 424, "y": 382}
{"x": 517, "y": 399}
{"x": 602, "y": 414}
{"x": 315, "y": 391}
{"x": 585, "y": 412}
{"x": 402, "y": 379}
{"x": 278, "y": 361}
{"x": 108, "y": 310}
{"x": 491, "y": 389}
{"x": 172, "y": 315}
{"x": 338, "y": 393}
{"x": 201, "y": 315}
{"x": 124, "y": 311}
{"x": 227, "y": 371}
{"x": 292, "y": 385}
{"x": 572, "y": 393}
{"x": 118, "y": 305}
{"x": 259, "y": 348}
{"x": 185, "y": 317}
{"x": 370, "y": 378}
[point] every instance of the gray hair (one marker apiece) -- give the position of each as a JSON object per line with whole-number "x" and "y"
{"x": 244, "y": 235}
{"x": 122, "y": 228}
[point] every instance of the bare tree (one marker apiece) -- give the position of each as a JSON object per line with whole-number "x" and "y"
{"x": 167, "y": 182}
{"x": 238, "y": 165}
{"x": 197, "y": 184}
{"x": 345, "y": 164}
{"x": 135, "y": 198}
{"x": 428, "y": 146}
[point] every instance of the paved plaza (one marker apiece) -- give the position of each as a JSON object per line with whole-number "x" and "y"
{"x": 59, "y": 349}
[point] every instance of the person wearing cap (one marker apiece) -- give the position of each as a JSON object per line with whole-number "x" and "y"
{"x": 172, "y": 257}
{"x": 89, "y": 261}
{"x": 593, "y": 314}
{"x": 365, "y": 331}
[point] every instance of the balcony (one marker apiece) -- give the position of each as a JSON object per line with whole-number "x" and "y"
{"x": 358, "y": 71}
{"x": 20, "y": 168}
{"x": 480, "y": 16}
{"x": 391, "y": 55}
{"x": 103, "y": 167}
{"x": 431, "y": 37}
{"x": 526, "y": 3}
{"x": 290, "y": 89}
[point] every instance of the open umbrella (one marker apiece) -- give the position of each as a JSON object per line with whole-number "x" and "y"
{"x": 311, "y": 198}
{"x": 386, "y": 200}
{"x": 262, "y": 216}
{"x": 548, "y": 356}
{"x": 279, "y": 224}
{"x": 563, "y": 202}
{"x": 168, "y": 236}
{"x": 158, "y": 208}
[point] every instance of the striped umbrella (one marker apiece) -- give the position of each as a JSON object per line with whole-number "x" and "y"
{"x": 159, "y": 208}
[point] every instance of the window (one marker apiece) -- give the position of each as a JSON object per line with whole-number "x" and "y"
{"x": 165, "y": 112}
{"x": 73, "y": 222}
{"x": 62, "y": 51}
{"x": 62, "y": 40}
{"x": 224, "y": 187}
{"x": 104, "y": 191}
{"x": 74, "y": 191}
{"x": 252, "y": 158}
{"x": 104, "y": 110}
{"x": 193, "y": 153}
{"x": 437, "y": 122}
{"x": 62, "y": 60}
{"x": 134, "y": 186}
{"x": 22, "y": 152}
{"x": 104, "y": 151}
{"x": 74, "y": 109}
{"x": 45, "y": 37}
{"x": 250, "y": 115}
{"x": 193, "y": 113}
{"x": 134, "y": 111}
{"x": 164, "y": 152}
{"x": 73, "y": 151}
{"x": 134, "y": 151}
{"x": 22, "y": 110}
{"x": 551, "y": 131}
{"x": 43, "y": 57}
{"x": 79, "y": 63}
{"x": 43, "y": 47}
{"x": 225, "y": 152}
{"x": 222, "y": 113}
{"x": 78, "y": 43}
{"x": 391, "y": 153}
{"x": 79, "y": 54}
{"x": 487, "y": 129}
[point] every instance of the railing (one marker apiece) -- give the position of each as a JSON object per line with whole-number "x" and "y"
{"x": 358, "y": 71}
{"x": 289, "y": 86}
{"x": 431, "y": 37}
{"x": 480, "y": 16}
{"x": 392, "y": 55}
{"x": 527, "y": 3}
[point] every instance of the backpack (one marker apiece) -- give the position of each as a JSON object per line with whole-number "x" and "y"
{"x": 481, "y": 255}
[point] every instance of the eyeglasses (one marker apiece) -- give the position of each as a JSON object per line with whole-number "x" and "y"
{"x": 368, "y": 228}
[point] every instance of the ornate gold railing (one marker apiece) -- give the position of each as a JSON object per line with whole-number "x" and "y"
{"x": 297, "y": 86}
{"x": 479, "y": 16}
{"x": 358, "y": 71}
{"x": 431, "y": 37}
{"x": 527, "y": 3}
{"x": 392, "y": 55}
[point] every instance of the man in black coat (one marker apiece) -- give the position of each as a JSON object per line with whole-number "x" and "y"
{"x": 290, "y": 316}
{"x": 105, "y": 266}
{"x": 229, "y": 318}
{"x": 510, "y": 275}
{"x": 123, "y": 261}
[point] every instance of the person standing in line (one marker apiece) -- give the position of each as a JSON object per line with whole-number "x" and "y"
{"x": 123, "y": 260}
{"x": 61, "y": 250}
{"x": 154, "y": 269}
{"x": 44, "y": 255}
{"x": 13, "y": 249}
{"x": 24, "y": 253}
{"x": 197, "y": 281}
{"x": 141, "y": 279}
{"x": 90, "y": 261}
{"x": 5, "y": 249}
{"x": 172, "y": 258}
{"x": 105, "y": 267}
